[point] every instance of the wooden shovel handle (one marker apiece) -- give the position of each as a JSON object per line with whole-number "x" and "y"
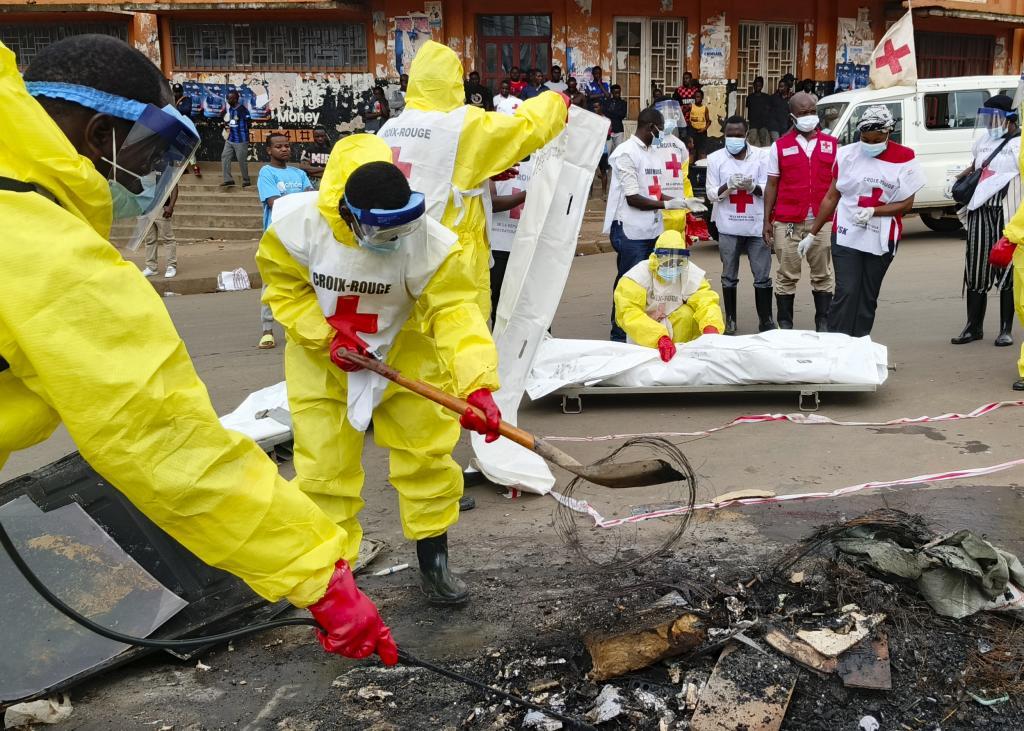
{"x": 452, "y": 403}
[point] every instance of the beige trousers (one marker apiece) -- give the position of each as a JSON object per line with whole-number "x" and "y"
{"x": 819, "y": 258}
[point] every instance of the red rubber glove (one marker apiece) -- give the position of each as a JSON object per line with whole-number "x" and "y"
{"x": 506, "y": 175}
{"x": 354, "y": 627}
{"x": 666, "y": 348}
{"x": 348, "y": 366}
{"x": 711, "y": 330}
{"x": 1001, "y": 254}
{"x": 488, "y": 426}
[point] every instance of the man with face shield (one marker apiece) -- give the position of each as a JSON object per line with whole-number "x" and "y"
{"x": 360, "y": 267}
{"x": 666, "y": 299}
{"x": 85, "y": 340}
{"x": 996, "y": 197}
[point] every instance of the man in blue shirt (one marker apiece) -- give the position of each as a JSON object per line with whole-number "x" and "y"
{"x": 596, "y": 89}
{"x": 535, "y": 85}
{"x": 236, "y": 144}
{"x": 277, "y": 180}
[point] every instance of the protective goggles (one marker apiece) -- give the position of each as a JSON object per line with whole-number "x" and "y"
{"x": 672, "y": 257}
{"x": 148, "y": 162}
{"x": 381, "y": 226}
{"x": 989, "y": 118}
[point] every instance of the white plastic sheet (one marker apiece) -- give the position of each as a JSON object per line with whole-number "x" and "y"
{"x": 773, "y": 357}
{"x": 247, "y": 417}
{"x": 538, "y": 268}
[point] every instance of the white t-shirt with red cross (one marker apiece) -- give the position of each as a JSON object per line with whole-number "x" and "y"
{"x": 737, "y": 212}
{"x": 504, "y": 224}
{"x": 864, "y": 181}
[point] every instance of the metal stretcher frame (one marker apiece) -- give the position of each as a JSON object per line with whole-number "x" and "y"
{"x": 809, "y": 399}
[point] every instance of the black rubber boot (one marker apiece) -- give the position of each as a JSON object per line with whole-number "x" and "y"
{"x": 466, "y": 502}
{"x": 1005, "y": 318}
{"x": 729, "y": 302}
{"x": 763, "y": 303}
{"x": 438, "y": 583}
{"x": 974, "y": 329}
{"x": 822, "y": 301}
{"x": 1018, "y": 385}
{"x": 784, "y": 303}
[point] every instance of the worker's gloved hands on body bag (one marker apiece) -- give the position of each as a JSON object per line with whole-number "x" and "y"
{"x": 666, "y": 348}
{"x": 489, "y": 425}
{"x": 352, "y": 626}
{"x": 711, "y": 330}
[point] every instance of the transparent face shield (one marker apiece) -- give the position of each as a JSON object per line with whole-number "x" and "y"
{"x": 147, "y": 165}
{"x": 673, "y": 115}
{"x": 672, "y": 263}
{"x": 382, "y": 230}
{"x": 991, "y": 123}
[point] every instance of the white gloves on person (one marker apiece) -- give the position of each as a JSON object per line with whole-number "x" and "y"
{"x": 748, "y": 184}
{"x": 805, "y": 243}
{"x": 735, "y": 181}
{"x": 695, "y": 205}
{"x": 675, "y": 204}
{"x": 679, "y": 204}
{"x": 862, "y": 215}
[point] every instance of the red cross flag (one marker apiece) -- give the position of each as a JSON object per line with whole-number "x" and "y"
{"x": 893, "y": 62}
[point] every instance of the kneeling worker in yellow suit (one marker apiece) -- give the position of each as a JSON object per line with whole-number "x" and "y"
{"x": 85, "y": 339}
{"x": 666, "y": 299}
{"x": 394, "y": 283}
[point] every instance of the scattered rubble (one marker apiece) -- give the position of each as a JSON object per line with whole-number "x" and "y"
{"x": 46, "y": 711}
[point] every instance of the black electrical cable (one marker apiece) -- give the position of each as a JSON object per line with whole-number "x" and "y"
{"x": 44, "y": 591}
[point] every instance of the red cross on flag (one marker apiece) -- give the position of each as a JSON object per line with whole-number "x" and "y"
{"x": 893, "y": 62}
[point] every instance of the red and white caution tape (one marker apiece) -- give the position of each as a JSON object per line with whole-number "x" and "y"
{"x": 582, "y": 506}
{"x": 803, "y": 419}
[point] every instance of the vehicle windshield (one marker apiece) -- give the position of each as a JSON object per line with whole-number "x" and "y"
{"x": 829, "y": 114}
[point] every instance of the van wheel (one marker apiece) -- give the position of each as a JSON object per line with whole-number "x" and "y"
{"x": 941, "y": 224}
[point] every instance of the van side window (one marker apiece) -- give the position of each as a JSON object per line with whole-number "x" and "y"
{"x": 953, "y": 109}
{"x": 850, "y": 134}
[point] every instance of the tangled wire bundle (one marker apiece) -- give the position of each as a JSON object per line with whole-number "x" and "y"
{"x": 567, "y": 519}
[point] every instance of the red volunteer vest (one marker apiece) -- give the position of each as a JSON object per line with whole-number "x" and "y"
{"x": 803, "y": 181}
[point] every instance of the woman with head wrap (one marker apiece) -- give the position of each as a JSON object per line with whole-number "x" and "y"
{"x": 995, "y": 199}
{"x": 874, "y": 183}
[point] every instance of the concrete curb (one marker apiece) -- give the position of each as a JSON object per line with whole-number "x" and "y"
{"x": 195, "y": 285}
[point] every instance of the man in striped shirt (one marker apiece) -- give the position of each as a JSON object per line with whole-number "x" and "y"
{"x": 236, "y": 144}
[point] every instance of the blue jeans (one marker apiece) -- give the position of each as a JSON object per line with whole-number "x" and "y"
{"x": 628, "y": 253}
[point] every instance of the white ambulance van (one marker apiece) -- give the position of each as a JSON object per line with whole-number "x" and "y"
{"x": 935, "y": 119}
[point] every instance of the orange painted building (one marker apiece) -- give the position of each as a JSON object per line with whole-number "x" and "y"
{"x": 302, "y": 63}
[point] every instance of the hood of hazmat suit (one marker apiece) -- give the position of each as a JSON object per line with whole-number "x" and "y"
{"x": 90, "y": 343}
{"x": 648, "y": 307}
{"x": 488, "y": 143}
{"x": 445, "y": 341}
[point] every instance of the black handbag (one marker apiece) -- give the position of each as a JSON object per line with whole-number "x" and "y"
{"x": 963, "y": 189}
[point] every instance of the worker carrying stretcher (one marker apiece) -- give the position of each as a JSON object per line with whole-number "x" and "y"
{"x": 667, "y": 299}
{"x": 364, "y": 225}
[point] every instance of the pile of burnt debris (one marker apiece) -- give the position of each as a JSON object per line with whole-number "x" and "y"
{"x": 874, "y": 623}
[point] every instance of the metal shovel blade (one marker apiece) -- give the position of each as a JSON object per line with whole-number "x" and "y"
{"x": 612, "y": 474}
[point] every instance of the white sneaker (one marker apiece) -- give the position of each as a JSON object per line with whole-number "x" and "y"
{"x": 147, "y": 272}
{"x": 171, "y": 271}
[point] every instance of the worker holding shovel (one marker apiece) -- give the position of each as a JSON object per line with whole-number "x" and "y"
{"x": 358, "y": 267}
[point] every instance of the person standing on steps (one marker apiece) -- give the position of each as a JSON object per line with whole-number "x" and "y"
{"x": 236, "y": 141}
{"x": 163, "y": 230}
{"x": 183, "y": 103}
{"x": 277, "y": 180}
{"x": 998, "y": 195}
{"x": 737, "y": 176}
{"x": 799, "y": 175}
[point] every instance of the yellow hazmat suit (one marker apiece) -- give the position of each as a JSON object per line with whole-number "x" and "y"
{"x": 445, "y": 341}
{"x": 648, "y": 308}
{"x": 1015, "y": 232}
{"x": 90, "y": 343}
{"x": 489, "y": 143}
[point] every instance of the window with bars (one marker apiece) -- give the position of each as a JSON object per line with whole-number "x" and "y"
{"x": 666, "y": 50}
{"x": 765, "y": 49}
{"x": 269, "y": 46}
{"x": 28, "y": 39}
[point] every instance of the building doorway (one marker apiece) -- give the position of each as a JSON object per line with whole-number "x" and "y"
{"x": 512, "y": 40}
{"x": 765, "y": 49}
{"x": 648, "y": 55}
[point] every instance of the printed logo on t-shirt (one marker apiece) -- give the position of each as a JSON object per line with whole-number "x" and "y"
{"x": 826, "y": 147}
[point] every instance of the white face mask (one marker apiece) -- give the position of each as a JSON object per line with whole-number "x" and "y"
{"x": 807, "y": 123}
